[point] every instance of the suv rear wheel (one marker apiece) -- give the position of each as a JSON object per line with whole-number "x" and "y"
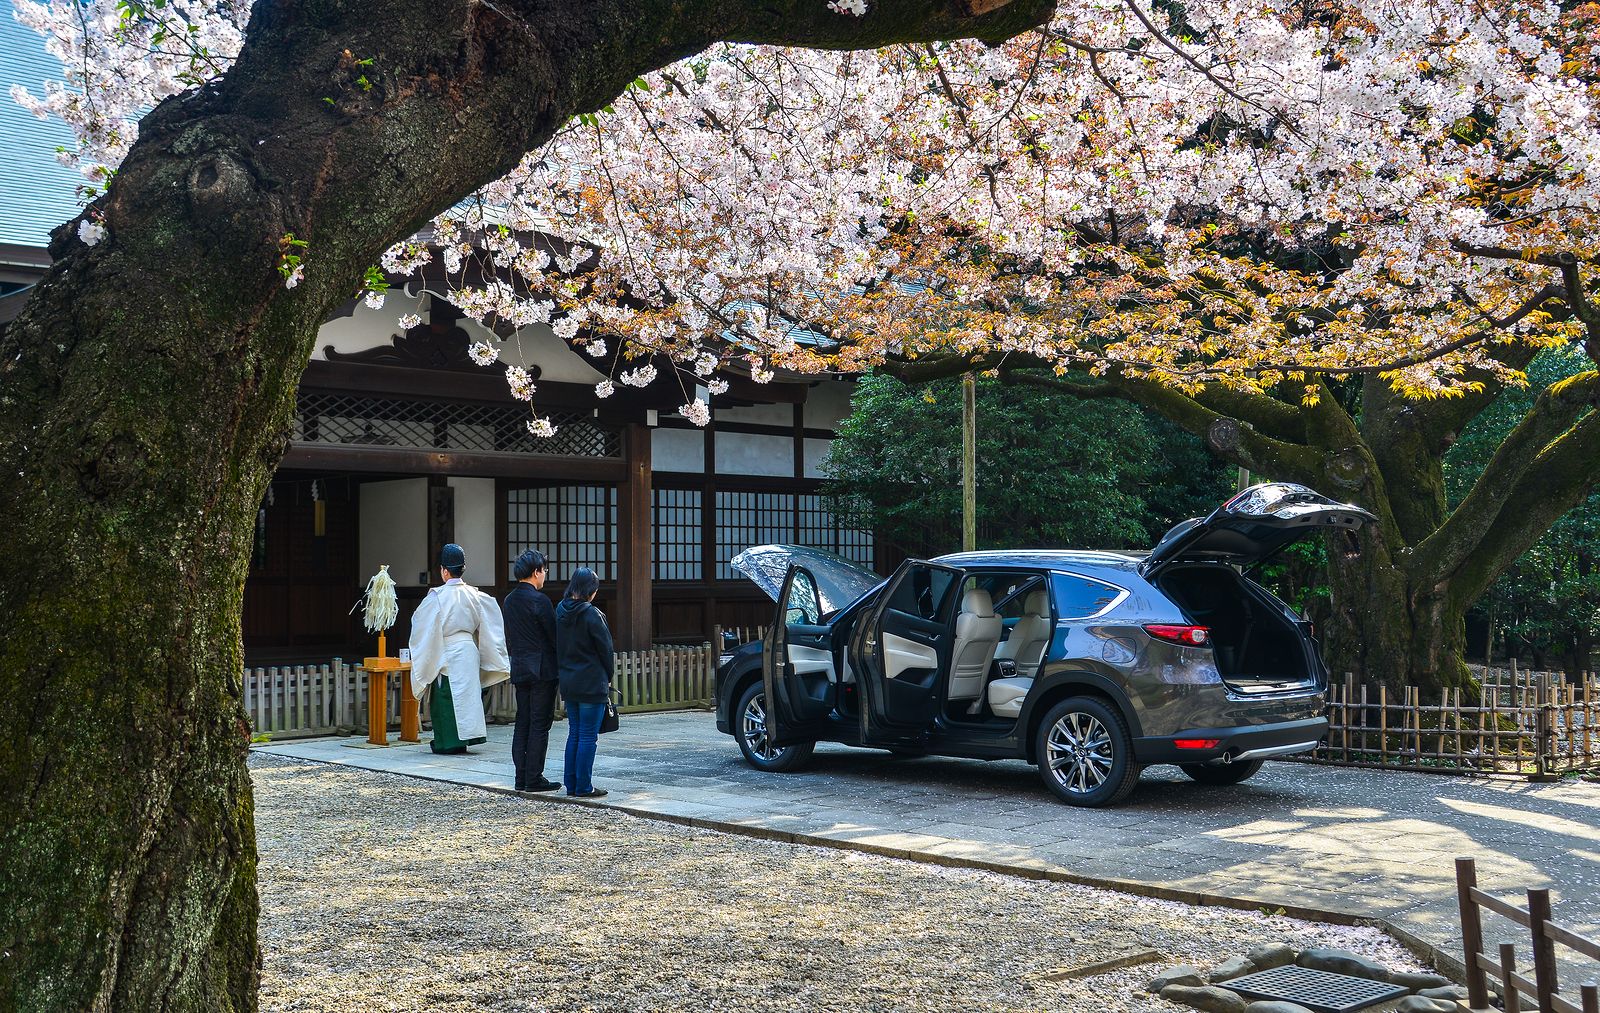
{"x": 750, "y": 728}
{"x": 1085, "y": 754}
{"x": 1226, "y": 773}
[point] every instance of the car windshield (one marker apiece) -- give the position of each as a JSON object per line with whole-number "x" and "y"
{"x": 839, "y": 581}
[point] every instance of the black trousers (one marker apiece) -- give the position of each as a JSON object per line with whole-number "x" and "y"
{"x": 536, "y": 708}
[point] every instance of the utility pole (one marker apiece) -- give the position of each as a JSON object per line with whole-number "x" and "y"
{"x": 969, "y": 463}
{"x": 1244, "y": 478}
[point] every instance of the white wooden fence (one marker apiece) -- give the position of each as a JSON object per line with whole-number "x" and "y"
{"x": 295, "y": 701}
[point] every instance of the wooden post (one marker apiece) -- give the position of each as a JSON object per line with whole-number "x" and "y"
{"x": 1542, "y": 733}
{"x": 1471, "y": 934}
{"x": 1383, "y": 724}
{"x": 1508, "y": 991}
{"x": 1544, "y": 948}
{"x": 410, "y": 711}
{"x": 969, "y": 463}
{"x": 377, "y": 707}
{"x": 1588, "y": 718}
{"x": 1344, "y": 709}
{"x": 634, "y": 622}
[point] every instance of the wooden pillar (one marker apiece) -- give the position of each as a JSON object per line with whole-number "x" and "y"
{"x": 442, "y": 525}
{"x": 708, "y": 532}
{"x": 634, "y": 621}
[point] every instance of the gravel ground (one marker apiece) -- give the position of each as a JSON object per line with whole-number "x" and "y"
{"x": 382, "y": 892}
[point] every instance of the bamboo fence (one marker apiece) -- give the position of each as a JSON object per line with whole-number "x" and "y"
{"x": 1531, "y": 723}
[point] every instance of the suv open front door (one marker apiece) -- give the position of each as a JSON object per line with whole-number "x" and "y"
{"x": 901, "y": 651}
{"x": 797, "y": 664}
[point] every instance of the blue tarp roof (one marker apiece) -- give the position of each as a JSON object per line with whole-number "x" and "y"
{"x": 36, "y": 191}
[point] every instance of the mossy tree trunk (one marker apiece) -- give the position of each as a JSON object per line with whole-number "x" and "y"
{"x": 145, "y": 394}
{"x": 1402, "y": 588}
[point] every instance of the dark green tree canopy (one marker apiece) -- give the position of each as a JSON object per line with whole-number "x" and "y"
{"x": 1053, "y": 471}
{"x": 1547, "y": 603}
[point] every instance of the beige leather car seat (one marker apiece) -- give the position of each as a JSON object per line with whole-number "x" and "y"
{"x": 1030, "y": 636}
{"x": 978, "y": 632}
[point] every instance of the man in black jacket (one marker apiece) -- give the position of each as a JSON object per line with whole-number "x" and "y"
{"x": 531, "y": 641}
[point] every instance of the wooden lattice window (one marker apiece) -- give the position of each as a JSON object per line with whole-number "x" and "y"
{"x": 751, "y": 518}
{"x": 819, "y": 528}
{"x": 573, "y": 525}
{"x": 363, "y": 421}
{"x": 675, "y": 534}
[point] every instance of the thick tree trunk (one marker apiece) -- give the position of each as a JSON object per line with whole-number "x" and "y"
{"x": 1385, "y": 631}
{"x": 145, "y": 394}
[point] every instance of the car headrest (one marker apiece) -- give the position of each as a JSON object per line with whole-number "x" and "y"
{"x": 978, "y": 602}
{"x": 1039, "y": 603}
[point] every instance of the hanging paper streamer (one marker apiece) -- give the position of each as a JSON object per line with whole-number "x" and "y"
{"x": 383, "y": 608}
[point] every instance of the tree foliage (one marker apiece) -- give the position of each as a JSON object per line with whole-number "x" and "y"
{"x": 1052, "y": 471}
{"x": 1547, "y": 603}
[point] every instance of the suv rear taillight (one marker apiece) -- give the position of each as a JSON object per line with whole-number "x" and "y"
{"x": 1188, "y": 636}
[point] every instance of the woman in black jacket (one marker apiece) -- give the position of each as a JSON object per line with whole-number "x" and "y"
{"x": 583, "y": 652}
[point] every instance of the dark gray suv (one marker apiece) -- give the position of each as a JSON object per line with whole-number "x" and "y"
{"x": 1092, "y": 665}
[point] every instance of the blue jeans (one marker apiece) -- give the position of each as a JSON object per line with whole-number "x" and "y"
{"x": 583, "y": 729}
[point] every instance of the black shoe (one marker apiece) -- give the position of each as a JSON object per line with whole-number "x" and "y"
{"x": 593, "y": 793}
{"x": 543, "y": 784}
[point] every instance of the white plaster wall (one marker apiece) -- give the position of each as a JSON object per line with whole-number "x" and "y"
{"x": 537, "y": 345}
{"x": 475, "y": 529}
{"x": 534, "y": 345}
{"x": 678, "y": 450}
{"x": 816, "y": 452}
{"x": 761, "y": 414}
{"x": 366, "y": 328}
{"x": 752, "y": 454}
{"x": 394, "y": 528}
{"x": 828, "y": 403}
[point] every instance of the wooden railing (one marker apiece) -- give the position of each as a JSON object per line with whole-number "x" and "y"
{"x": 1531, "y": 723}
{"x": 1544, "y": 988}
{"x": 297, "y": 701}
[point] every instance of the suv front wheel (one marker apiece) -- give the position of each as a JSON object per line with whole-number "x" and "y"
{"x": 1085, "y": 753}
{"x": 750, "y": 728}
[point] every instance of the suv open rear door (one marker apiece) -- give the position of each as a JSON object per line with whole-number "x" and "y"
{"x": 1252, "y": 526}
{"x": 797, "y": 667}
{"x": 901, "y": 650}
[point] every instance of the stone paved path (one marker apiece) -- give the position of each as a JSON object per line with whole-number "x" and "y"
{"x": 1360, "y": 842}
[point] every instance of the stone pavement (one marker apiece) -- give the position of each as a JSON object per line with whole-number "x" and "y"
{"x": 1363, "y": 843}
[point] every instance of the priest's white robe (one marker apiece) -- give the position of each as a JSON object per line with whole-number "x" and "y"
{"x": 458, "y": 632}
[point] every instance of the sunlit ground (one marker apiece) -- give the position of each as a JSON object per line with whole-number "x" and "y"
{"x": 381, "y": 892}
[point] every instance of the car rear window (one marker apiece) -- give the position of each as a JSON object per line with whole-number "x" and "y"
{"x": 1080, "y": 597}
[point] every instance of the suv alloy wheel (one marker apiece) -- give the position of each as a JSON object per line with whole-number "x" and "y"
{"x": 1085, "y": 754}
{"x": 750, "y": 728}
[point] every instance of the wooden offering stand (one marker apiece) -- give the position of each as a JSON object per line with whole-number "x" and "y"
{"x": 378, "y": 670}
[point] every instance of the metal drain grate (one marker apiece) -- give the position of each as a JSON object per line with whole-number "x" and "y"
{"x": 1318, "y": 990}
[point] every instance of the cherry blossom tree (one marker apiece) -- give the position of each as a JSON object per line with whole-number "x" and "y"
{"x": 1322, "y": 239}
{"x": 147, "y": 387}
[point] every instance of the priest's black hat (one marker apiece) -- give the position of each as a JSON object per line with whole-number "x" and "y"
{"x": 452, "y": 556}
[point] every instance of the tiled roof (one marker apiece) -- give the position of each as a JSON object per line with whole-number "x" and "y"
{"x": 36, "y": 191}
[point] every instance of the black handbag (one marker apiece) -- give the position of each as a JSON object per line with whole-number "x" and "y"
{"x": 609, "y": 722}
